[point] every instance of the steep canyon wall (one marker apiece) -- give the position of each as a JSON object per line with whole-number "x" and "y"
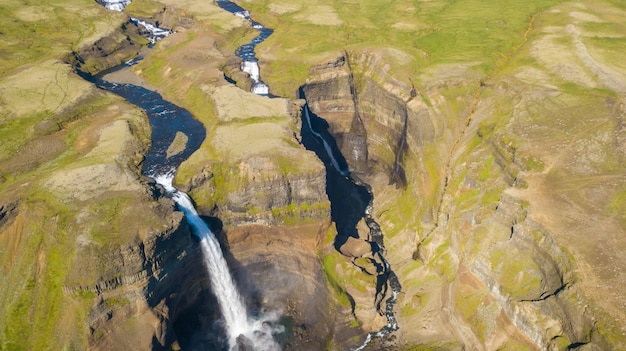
{"x": 444, "y": 186}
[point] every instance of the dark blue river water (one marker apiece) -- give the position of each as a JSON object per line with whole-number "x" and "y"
{"x": 166, "y": 119}
{"x": 350, "y": 199}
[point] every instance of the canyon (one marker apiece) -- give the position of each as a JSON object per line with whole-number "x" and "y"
{"x": 497, "y": 177}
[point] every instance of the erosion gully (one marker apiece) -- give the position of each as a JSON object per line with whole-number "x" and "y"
{"x": 351, "y": 199}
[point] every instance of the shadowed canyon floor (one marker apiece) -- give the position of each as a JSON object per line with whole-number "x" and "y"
{"x": 492, "y": 135}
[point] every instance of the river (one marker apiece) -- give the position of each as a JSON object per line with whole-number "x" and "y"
{"x": 350, "y": 199}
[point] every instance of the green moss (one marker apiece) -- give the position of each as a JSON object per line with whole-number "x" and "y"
{"x": 143, "y": 8}
{"x": 579, "y": 90}
{"x": 492, "y": 195}
{"x": 476, "y": 242}
{"x": 116, "y": 302}
{"x": 467, "y": 303}
{"x": 329, "y": 266}
{"x": 15, "y": 132}
{"x": 32, "y": 310}
{"x": 467, "y": 198}
{"x": 477, "y": 307}
{"x": 226, "y": 180}
{"x": 608, "y": 328}
{"x": 562, "y": 342}
{"x": 412, "y": 306}
{"x": 20, "y": 131}
{"x": 152, "y": 67}
{"x": 514, "y": 345}
{"x": 50, "y": 29}
{"x": 442, "y": 262}
{"x": 404, "y": 214}
{"x": 199, "y": 103}
{"x": 517, "y": 273}
{"x": 485, "y": 171}
{"x": 436, "y": 346}
{"x": 483, "y": 39}
{"x": 532, "y": 164}
{"x": 330, "y": 235}
{"x": 617, "y": 205}
{"x": 299, "y": 214}
{"x": 107, "y": 229}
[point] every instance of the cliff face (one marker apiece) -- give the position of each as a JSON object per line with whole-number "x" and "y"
{"x": 279, "y": 272}
{"x": 262, "y": 189}
{"x": 501, "y": 196}
{"x": 121, "y": 45}
{"x": 449, "y": 176}
{"x": 141, "y": 286}
{"x": 86, "y": 249}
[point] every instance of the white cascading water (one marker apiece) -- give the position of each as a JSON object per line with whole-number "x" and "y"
{"x": 157, "y": 33}
{"x": 250, "y": 64}
{"x": 252, "y": 68}
{"x": 120, "y": 5}
{"x": 114, "y": 5}
{"x": 257, "y": 332}
{"x": 329, "y": 150}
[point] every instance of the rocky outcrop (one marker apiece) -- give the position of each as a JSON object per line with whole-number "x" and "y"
{"x": 415, "y": 137}
{"x": 536, "y": 289}
{"x": 278, "y": 270}
{"x": 276, "y": 192}
{"x": 260, "y": 193}
{"x": 8, "y": 212}
{"x": 137, "y": 286}
{"x": 122, "y": 45}
{"x": 166, "y": 297}
{"x": 333, "y": 92}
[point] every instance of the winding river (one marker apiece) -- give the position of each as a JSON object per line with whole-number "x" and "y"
{"x": 351, "y": 200}
{"x": 167, "y": 121}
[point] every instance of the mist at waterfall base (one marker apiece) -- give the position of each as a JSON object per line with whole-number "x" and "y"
{"x": 243, "y": 333}
{"x": 166, "y": 120}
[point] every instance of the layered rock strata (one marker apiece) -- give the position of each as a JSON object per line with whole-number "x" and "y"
{"x": 536, "y": 294}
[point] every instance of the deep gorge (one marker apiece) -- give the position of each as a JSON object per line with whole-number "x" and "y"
{"x": 371, "y": 126}
{"x": 413, "y": 189}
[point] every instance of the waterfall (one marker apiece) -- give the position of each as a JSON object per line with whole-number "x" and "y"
{"x": 249, "y": 333}
{"x": 120, "y": 5}
{"x": 255, "y": 334}
{"x": 327, "y": 147}
{"x": 347, "y": 210}
{"x": 252, "y": 68}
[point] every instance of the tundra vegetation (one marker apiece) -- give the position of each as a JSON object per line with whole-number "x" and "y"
{"x": 509, "y": 232}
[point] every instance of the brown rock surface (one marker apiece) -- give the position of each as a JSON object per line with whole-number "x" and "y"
{"x": 501, "y": 196}
{"x": 279, "y": 267}
{"x": 514, "y": 206}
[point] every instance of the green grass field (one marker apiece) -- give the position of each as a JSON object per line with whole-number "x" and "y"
{"x": 477, "y": 32}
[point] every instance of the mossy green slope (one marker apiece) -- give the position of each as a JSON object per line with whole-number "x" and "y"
{"x": 50, "y": 121}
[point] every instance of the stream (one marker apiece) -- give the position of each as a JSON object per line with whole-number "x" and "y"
{"x": 244, "y": 331}
{"x": 351, "y": 200}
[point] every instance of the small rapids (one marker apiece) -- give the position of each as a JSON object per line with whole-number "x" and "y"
{"x": 250, "y": 63}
